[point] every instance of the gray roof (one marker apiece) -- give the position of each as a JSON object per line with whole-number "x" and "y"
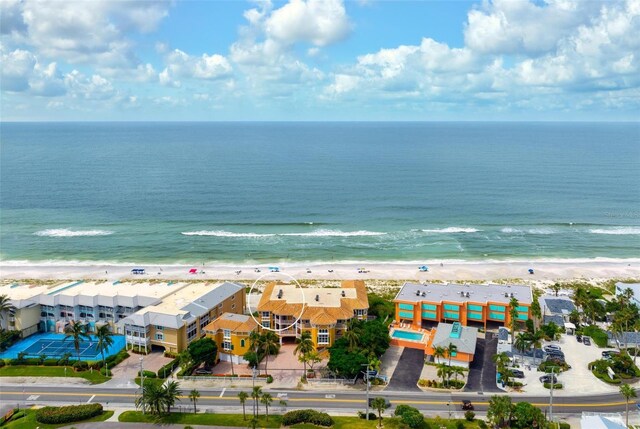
{"x": 466, "y": 343}
{"x": 212, "y": 298}
{"x": 555, "y": 318}
{"x": 503, "y": 333}
{"x": 625, "y": 337}
{"x": 556, "y": 304}
{"x": 452, "y": 292}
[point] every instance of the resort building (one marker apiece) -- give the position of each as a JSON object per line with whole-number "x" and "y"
{"x": 428, "y": 304}
{"x": 557, "y": 309}
{"x": 181, "y": 317}
{"x": 325, "y": 312}
{"x": 231, "y": 333}
{"x": 162, "y": 314}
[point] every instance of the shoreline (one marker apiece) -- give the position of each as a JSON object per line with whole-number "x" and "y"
{"x": 483, "y": 271}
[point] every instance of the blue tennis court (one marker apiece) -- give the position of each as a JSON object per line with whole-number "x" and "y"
{"x": 55, "y": 346}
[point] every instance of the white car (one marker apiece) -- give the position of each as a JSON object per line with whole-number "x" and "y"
{"x": 552, "y": 347}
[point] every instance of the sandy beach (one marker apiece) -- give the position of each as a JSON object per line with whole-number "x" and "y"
{"x": 544, "y": 271}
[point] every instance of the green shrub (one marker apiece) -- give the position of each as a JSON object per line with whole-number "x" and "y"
{"x": 403, "y": 408}
{"x": 482, "y": 424}
{"x": 469, "y": 415}
{"x": 2, "y": 363}
{"x": 307, "y": 416}
{"x": 67, "y": 414}
{"x": 459, "y": 424}
{"x": 114, "y": 360}
{"x": 598, "y": 335}
{"x": 80, "y": 365}
{"x": 564, "y": 425}
{"x": 269, "y": 379}
{"x": 50, "y": 362}
{"x": 147, "y": 374}
{"x": 413, "y": 419}
{"x": 168, "y": 368}
{"x": 8, "y": 338}
{"x": 372, "y": 416}
{"x": 555, "y": 386}
{"x": 106, "y": 372}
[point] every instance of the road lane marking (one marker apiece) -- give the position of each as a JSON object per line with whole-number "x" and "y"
{"x": 91, "y": 399}
{"x": 222, "y": 393}
{"x": 33, "y": 397}
{"x": 357, "y": 401}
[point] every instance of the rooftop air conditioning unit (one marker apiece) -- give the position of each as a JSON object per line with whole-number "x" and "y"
{"x": 467, "y": 294}
{"x": 343, "y": 293}
{"x": 317, "y": 298}
{"x": 506, "y": 295}
{"x": 424, "y": 294}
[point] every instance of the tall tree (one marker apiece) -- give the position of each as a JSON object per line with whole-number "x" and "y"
{"x": 451, "y": 349}
{"x": 266, "y": 400}
{"x": 193, "y": 397}
{"x": 270, "y": 343}
{"x": 379, "y": 404}
{"x": 513, "y": 317}
{"x": 152, "y": 399}
{"x": 352, "y": 335}
{"x": 104, "y": 340}
{"x": 556, "y": 288}
{"x": 627, "y": 392}
{"x": 457, "y": 371}
{"x": 500, "y": 410}
{"x": 438, "y": 353}
{"x": 522, "y": 343}
{"x": 256, "y": 392}
{"x": 5, "y": 306}
{"x": 242, "y": 396}
{"x": 304, "y": 345}
{"x": 171, "y": 392}
{"x": 77, "y": 331}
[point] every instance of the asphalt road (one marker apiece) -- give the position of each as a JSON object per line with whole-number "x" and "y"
{"x": 482, "y": 371}
{"x": 351, "y": 401}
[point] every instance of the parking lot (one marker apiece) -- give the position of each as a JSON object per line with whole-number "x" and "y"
{"x": 576, "y": 381}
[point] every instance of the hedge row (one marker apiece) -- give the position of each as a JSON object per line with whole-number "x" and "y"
{"x": 168, "y": 368}
{"x": 410, "y": 416}
{"x": 307, "y": 416}
{"x": 67, "y": 414}
{"x": 147, "y": 374}
{"x": 114, "y": 360}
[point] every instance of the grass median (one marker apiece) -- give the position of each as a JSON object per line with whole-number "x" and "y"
{"x": 200, "y": 419}
{"x": 29, "y": 421}
{"x": 94, "y": 377}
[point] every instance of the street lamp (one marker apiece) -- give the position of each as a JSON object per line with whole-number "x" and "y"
{"x": 142, "y": 384}
{"x": 366, "y": 380}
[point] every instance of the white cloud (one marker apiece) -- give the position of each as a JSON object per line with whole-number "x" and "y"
{"x": 21, "y": 72}
{"x": 180, "y": 65}
{"x": 319, "y": 22}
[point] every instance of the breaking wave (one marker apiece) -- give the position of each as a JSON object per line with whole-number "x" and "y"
{"x": 63, "y": 232}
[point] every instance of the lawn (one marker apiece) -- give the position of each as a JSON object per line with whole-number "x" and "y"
{"x": 394, "y": 423}
{"x": 598, "y": 336}
{"x": 51, "y": 371}
{"x": 147, "y": 381}
{"x": 29, "y": 421}
{"x": 201, "y": 419}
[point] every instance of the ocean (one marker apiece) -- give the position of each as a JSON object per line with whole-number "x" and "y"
{"x": 269, "y": 192}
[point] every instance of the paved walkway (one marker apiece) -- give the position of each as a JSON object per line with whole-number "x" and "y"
{"x": 406, "y": 375}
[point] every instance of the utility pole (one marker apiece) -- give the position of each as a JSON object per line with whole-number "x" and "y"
{"x": 142, "y": 384}
{"x": 551, "y": 396}
{"x": 366, "y": 380}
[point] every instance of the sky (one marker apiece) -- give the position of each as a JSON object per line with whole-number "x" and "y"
{"x": 316, "y": 60}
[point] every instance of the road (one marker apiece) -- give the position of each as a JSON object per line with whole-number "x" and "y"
{"x": 225, "y": 398}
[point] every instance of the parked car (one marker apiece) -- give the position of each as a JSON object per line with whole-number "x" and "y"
{"x": 202, "y": 371}
{"x": 467, "y": 405}
{"x": 608, "y": 353}
{"x": 547, "y": 379}
{"x": 552, "y": 347}
{"x": 586, "y": 341}
{"x": 556, "y": 354}
{"x": 517, "y": 373}
{"x": 579, "y": 338}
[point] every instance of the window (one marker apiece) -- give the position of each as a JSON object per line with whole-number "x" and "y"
{"x": 226, "y": 345}
{"x": 192, "y": 330}
{"x": 265, "y": 314}
{"x": 323, "y": 336}
{"x": 233, "y": 306}
{"x": 226, "y": 333}
{"x": 233, "y": 297}
{"x": 361, "y": 312}
{"x": 204, "y": 321}
{"x": 160, "y": 337}
{"x": 242, "y": 343}
{"x": 266, "y": 324}
{"x": 159, "y": 328}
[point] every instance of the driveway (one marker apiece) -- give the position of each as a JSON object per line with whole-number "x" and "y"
{"x": 482, "y": 371}
{"x": 407, "y": 372}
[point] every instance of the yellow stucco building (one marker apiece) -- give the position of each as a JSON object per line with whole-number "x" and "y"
{"x": 231, "y": 334}
{"x": 325, "y": 312}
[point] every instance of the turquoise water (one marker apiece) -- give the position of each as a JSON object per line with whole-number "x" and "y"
{"x": 405, "y": 335}
{"x": 55, "y": 346}
{"x": 234, "y": 192}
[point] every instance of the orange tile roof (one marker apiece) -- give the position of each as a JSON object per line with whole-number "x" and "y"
{"x": 233, "y": 322}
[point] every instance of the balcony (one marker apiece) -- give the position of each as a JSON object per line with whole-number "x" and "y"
{"x": 140, "y": 341}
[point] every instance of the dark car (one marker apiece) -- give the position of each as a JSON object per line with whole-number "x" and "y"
{"x": 608, "y": 353}
{"x": 586, "y": 341}
{"x": 555, "y": 353}
{"x": 547, "y": 379}
{"x": 579, "y": 338}
{"x": 467, "y": 405}
{"x": 517, "y": 373}
{"x": 202, "y": 371}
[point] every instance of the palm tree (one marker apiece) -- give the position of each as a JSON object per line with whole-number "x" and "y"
{"x": 379, "y": 404}
{"x": 457, "y": 371}
{"x": 438, "y": 352}
{"x": 513, "y": 316}
{"x": 522, "y": 343}
{"x": 255, "y": 344}
{"x": 535, "y": 340}
{"x": 193, "y": 397}
{"x": 104, "y": 340}
{"x": 627, "y": 392}
{"x": 152, "y": 398}
{"x": 451, "y": 349}
{"x": 255, "y": 395}
{"x": 270, "y": 343}
{"x": 352, "y": 335}
{"x": 304, "y": 345}
{"x": 266, "y": 399}
{"x": 242, "y": 396}
{"x": 5, "y": 306}
{"x": 77, "y": 331}
{"x": 171, "y": 393}
{"x": 556, "y": 288}
{"x": 443, "y": 372}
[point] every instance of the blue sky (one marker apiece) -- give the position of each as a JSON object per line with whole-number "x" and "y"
{"x": 320, "y": 60}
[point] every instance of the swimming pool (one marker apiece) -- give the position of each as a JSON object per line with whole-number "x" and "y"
{"x": 55, "y": 346}
{"x": 406, "y": 335}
